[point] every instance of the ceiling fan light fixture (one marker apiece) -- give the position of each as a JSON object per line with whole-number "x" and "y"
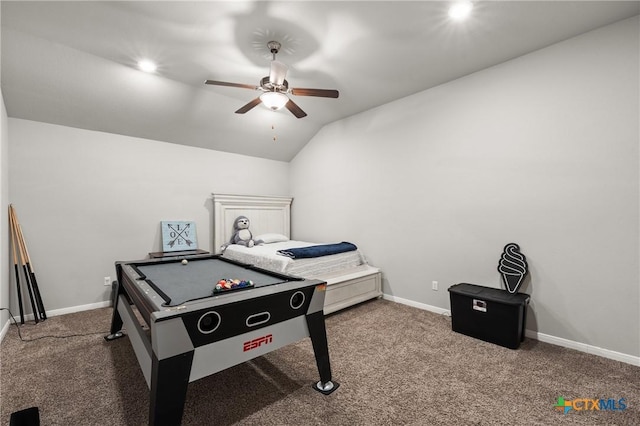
{"x": 274, "y": 100}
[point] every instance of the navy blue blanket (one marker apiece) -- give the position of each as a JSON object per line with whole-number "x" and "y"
{"x": 317, "y": 251}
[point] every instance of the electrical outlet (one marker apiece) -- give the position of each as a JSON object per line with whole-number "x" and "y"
{"x": 107, "y": 280}
{"x": 434, "y": 285}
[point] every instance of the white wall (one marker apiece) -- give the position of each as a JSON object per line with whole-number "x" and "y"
{"x": 541, "y": 150}
{"x": 5, "y": 269}
{"x": 87, "y": 199}
{"x": 4, "y": 200}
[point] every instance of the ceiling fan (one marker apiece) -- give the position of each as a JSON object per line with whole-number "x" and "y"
{"x": 275, "y": 88}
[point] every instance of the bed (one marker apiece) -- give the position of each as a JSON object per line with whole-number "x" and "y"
{"x": 350, "y": 279}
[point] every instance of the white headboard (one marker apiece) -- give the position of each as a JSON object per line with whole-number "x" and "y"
{"x": 266, "y": 214}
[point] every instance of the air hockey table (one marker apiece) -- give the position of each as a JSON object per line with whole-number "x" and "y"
{"x": 194, "y": 331}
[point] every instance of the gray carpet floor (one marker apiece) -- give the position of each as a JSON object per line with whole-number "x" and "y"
{"x": 396, "y": 365}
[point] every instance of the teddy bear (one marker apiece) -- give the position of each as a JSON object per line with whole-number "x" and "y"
{"x": 241, "y": 234}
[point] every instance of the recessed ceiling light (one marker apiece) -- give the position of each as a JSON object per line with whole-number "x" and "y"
{"x": 146, "y": 65}
{"x": 460, "y": 10}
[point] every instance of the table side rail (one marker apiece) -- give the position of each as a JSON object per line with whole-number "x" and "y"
{"x": 141, "y": 298}
{"x": 139, "y": 339}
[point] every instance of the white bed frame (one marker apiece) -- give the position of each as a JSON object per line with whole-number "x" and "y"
{"x": 273, "y": 215}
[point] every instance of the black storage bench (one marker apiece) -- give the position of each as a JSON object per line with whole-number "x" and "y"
{"x": 489, "y": 314}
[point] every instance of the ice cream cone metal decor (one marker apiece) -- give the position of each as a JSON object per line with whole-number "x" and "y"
{"x": 513, "y": 267}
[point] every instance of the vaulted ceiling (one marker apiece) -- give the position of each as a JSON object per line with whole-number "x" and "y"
{"x": 75, "y": 63}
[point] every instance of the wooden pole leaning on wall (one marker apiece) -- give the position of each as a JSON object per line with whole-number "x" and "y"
{"x": 15, "y": 265}
{"x": 14, "y": 231}
{"x": 31, "y": 270}
{"x": 39, "y": 311}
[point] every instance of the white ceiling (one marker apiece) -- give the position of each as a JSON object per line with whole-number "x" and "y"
{"x": 73, "y": 63}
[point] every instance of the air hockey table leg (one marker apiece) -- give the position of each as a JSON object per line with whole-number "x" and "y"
{"x": 318, "y": 334}
{"x": 116, "y": 320}
{"x": 169, "y": 380}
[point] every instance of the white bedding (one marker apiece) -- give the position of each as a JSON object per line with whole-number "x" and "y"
{"x": 264, "y": 256}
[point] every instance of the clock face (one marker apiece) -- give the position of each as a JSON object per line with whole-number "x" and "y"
{"x": 178, "y": 236}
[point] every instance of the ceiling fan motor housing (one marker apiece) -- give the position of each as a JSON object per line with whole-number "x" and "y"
{"x": 267, "y": 85}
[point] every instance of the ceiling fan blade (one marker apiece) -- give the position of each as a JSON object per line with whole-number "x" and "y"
{"x": 249, "y": 106}
{"x": 278, "y": 73}
{"x": 323, "y": 93}
{"x": 295, "y": 109}
{"x": 224, "y": 83}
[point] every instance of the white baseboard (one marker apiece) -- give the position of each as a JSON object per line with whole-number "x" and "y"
{"x": 583, "y": 347}
{"x": 71, "y": 310}
{"x": 422, "y": 306}
{"x": 558, "y": 341}
{"x": 5, "y": 328}
{"x": 55, "y": 313}
{"x": 63, "y": 311}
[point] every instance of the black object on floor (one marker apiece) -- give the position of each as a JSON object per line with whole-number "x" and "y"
{"x": 489, "y": 314}
{"x": 27, "y": 417}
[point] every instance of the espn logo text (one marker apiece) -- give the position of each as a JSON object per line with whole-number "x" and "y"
{"x": 256, "y": 343}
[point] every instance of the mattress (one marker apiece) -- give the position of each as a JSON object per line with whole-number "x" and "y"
{"x": 265, "y": 256}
